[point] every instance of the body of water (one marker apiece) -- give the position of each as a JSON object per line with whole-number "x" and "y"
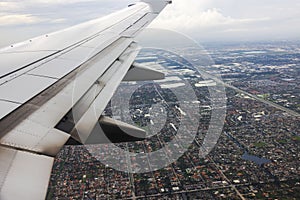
{"x": 259, "y": 161}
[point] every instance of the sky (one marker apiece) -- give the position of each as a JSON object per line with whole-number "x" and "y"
{"x": 202, "y": 20}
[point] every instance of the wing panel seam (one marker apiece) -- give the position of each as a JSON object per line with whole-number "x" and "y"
{"x": 8, "y": 169}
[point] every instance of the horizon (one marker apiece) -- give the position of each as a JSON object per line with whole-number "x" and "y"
{"x": 205, "y": 21}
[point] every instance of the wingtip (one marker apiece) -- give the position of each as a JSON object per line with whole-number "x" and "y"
{"x": 157, "y": 5}
{"x": 149, "y": 1}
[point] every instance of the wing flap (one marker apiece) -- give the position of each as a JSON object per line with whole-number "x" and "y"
{"x": 87, "y": 122}
{"x": 114, "y": 131}
{"x": 38, "y": 139}
{"x": 28, "y": 174}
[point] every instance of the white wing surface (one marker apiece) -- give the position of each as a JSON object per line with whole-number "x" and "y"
{"x": 43, "y": 79}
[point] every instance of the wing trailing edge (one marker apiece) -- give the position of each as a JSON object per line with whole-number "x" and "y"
{"x": 113, "y": 131}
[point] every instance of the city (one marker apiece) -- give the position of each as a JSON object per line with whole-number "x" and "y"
{"x": 256, "y": 155}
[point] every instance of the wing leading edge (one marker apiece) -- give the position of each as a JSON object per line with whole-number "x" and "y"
{"x": 37, "y": 81}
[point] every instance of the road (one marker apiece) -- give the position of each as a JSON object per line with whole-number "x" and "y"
{"x": 291, "y": 112}
{"x": 205, "y": 74}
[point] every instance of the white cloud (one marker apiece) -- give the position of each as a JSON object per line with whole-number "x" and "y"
{"x": 36, "y": 17}
{"x": 57, "y": 1}
{"x": 189, "y": 21}
{"x": 232, "y": 19}
{"x": 17, "y": 19}
{"x": 9, "y": 6}
{"x": 58, "y": 21}
{"x": 187, "y": 18}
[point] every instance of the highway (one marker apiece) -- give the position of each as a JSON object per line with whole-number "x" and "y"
{"x": 216, "y": 79}
{"x": 207, "y": 75}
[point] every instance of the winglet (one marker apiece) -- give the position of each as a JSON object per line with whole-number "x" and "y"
{"x": 153, "y": 1}
{"x": 157, "y": 5}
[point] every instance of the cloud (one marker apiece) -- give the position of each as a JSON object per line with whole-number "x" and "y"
{"x": 58, "y": 2}
{"x": 36, "y": 17}
{"x": 17, "y": 19}
{"x": 74, "y": 10}
{"x": 34, "y": 12}
{"x": 232, "y": 19}
{"x": 198, "y": 19}
{"x": 13, "y": 20}
{"x": 210, "y": 18}
{"x": 58, "y": 21}
{"x": 9, "y": 6}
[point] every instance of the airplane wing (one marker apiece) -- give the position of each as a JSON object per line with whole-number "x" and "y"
{"x": 45, "y": 80}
